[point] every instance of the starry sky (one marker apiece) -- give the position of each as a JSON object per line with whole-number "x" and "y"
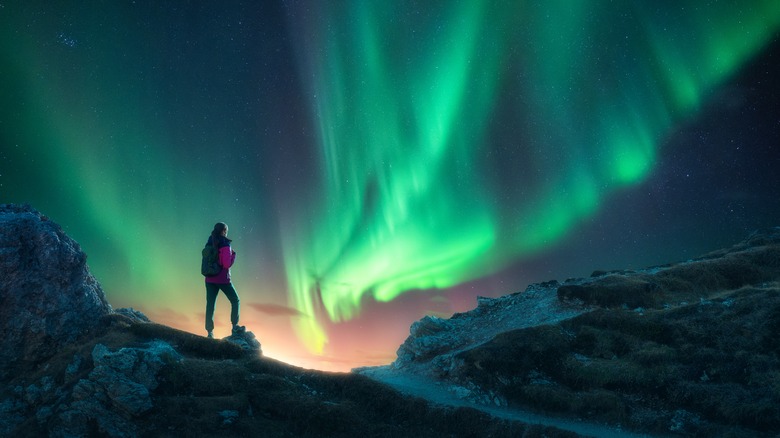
{"x": 381, "y": 161}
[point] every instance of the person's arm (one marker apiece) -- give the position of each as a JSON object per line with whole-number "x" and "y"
{"x": 226, "y": 257}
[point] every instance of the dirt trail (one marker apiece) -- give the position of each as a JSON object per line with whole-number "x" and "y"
{"x": 438, "y": 393}
{"x": 538, "y": 305}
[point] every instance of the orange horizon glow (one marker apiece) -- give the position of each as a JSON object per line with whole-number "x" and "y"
{"x": 277, "y": 338}
{"x": 370, "y": 339}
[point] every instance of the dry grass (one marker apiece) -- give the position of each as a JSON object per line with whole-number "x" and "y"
{"x": 684, "y": 282}
{"x": 715, "y": 358}
{"x": 271, "y": 398}
{"x": 694, "y": 347}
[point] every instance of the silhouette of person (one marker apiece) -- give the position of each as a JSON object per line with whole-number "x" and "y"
{"x": 221, "y": 281}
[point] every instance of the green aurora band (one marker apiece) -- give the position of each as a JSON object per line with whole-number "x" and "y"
{"x": 452, "y": 137}
{"x": 403, "y": 95}
{"x": 95, "y": 134}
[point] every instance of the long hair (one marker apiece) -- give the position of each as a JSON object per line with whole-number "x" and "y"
{"x": 216, "y": 233}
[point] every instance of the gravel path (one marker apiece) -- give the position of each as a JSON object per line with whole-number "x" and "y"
{"x": 437, "y": 393}
{"x": 538, "y": 305}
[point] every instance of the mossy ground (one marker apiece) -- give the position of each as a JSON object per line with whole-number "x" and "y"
{"x": 271, "y": 398}
{"x": 693, "y": 349}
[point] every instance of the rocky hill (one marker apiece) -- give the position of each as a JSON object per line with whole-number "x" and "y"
{"x": 687, "y": 349}
{"x": 70, "y": 366}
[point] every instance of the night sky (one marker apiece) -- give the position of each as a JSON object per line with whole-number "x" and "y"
{"x": 381, "y": 161}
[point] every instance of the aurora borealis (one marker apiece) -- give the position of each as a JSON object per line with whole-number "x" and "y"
{"x": 379, "y": 161}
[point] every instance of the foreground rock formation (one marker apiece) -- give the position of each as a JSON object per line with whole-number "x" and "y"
{"x": 48, "y": 298}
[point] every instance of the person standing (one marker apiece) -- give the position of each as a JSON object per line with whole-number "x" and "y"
{"x": 221, "y": 281}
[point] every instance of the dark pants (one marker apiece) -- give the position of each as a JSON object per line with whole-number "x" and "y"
{"x": 212, "y": 289}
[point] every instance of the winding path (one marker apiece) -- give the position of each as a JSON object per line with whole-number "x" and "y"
{"x": 437, "y": 393}
{"x": 538, "y": 305}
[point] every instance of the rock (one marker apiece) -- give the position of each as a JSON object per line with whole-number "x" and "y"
{"x": 433, "y": 342}
{"x": 109, "y": 401}
{"x": 684, "y": 422}
{"x": 117, "y": 391}
{"x": 133, "y": 314}
{"x": 228, "y": 417}
{"x": 126, "y": 395}
{"x": 428, "y": 337}
{"x": 73, "y": 367}
{"x": 48, "y": 298}
{"x": 246, "y": 340}
{"x": 11, "y": 415}
{"x": 428, "y": 326}
{"x": 139, "y": 365}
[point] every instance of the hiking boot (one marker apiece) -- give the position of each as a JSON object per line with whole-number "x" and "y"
{"x": 211, "y": 335}
{"x": 238, "y": 329}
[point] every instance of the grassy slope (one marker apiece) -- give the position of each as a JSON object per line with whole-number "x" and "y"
{"x": 692, "y": 348}
{"x": 272, "y": 398}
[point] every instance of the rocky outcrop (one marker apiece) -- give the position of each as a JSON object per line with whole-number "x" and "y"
{"x": 433, "y": 341}
{"x": 247, "y": 341}
{"x": 48, "y": 298}
{"x": 115, "y": 393}
{"x": 132, "y": 314}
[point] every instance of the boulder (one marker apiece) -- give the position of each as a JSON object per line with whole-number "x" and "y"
{"x": 434, "y": 342}
{"x": 116, "y": 392}
{"x": 247, "y": 341}
{"x": 132, "y": 314}
{"x": 48, "y": 298}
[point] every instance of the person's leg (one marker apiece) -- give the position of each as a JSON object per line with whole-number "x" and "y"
{"x": 211, "y": 298}
{"x": 232, "y": 295}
